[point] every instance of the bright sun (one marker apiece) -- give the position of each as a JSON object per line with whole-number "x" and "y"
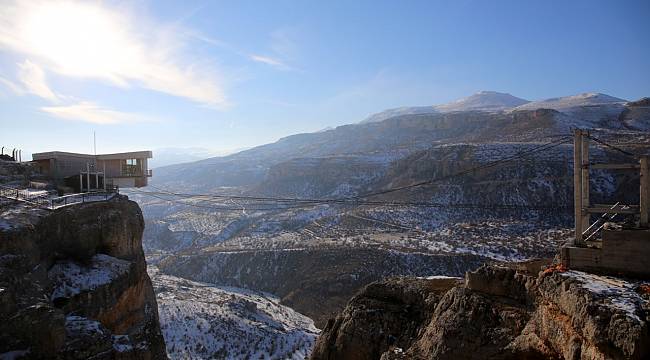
{"x": 79, "y": 39}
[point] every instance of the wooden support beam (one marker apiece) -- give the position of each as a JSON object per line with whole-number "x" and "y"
{"x": 609, "y": 210}
{"x": 644, "y": 190}
{"x": 634, "y": 206}
{"x": 615, "y": 166}
{"x": 577, "y": 185}
{"x": 584, "y": 170}
{"x": 88, "y": 176}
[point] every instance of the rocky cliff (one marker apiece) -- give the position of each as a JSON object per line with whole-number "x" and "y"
{"x": 496, "y": 313}
{"x": 73, "y": 284}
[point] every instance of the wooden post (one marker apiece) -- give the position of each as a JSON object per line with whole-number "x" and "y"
{"x": 577, "y": 185}
{"x": 88, "y": 175}
{"x": 644, "y": 191}
{"x": 81, "y": 181}
{"x": 586, "y": 217}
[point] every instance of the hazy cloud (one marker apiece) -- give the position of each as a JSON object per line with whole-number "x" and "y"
{"x": 32, "y": 77}
{"x": 92, "y": 113}
{"x": 91, "y": 40}
{"x": 269, "y": 61}
{"x": 13, "y": 87}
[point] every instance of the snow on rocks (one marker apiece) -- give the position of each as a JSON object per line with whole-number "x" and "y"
{"x": 79, "y": 324}
{"x": 72, "y": 278}
{"x": 199, "y": 320}
{"x": 614, "y": 293}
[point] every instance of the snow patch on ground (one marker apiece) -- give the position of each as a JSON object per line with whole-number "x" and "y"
{"x": 72, "y": 278}
{"x": 436, "y": 277}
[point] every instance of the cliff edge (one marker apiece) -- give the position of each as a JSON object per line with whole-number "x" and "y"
{"x": 497, "y": 312}
{"x": 74, "y": 285}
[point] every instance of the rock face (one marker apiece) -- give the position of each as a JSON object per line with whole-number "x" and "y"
{"x": 74, "y": 283}
{"x": 384, "y": 315}
{"x": 499, "y": 313}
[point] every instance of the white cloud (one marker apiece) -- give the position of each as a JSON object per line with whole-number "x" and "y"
{"x": 92, "y": 113}
{"x": 91, "y": 40}
{"x": 15, "y": 88}
{"x": 33, "y": 79}
{"x": 269, "y": 61}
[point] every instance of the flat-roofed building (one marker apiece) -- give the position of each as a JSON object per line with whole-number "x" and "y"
{"x": 88, "y": 172}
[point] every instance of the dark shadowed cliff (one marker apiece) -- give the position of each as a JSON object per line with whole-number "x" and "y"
{"x": 73, "y": 284}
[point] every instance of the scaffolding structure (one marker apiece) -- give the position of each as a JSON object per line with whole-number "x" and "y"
{"x": 584, "y": 209}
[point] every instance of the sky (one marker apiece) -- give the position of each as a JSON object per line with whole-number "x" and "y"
{"x": 224, "y": 75}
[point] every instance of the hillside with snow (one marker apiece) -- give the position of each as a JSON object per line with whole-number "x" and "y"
{"x": 314, "y": 256}
{"x": 203, "y": 321}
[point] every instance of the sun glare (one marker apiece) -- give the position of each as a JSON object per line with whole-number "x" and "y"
{"x": 80, "y": 39}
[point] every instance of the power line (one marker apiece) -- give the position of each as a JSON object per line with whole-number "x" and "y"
{"x": 356, "y": 199}
{"x": 269, "y": 206}
{"x": 612, "y": 146}
{"x": 362, "y": 203}
{"x": 540, "y": 148}
{"x": 293, "y": 203}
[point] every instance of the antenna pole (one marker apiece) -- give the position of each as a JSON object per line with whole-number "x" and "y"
{"x": 94, "y": 143}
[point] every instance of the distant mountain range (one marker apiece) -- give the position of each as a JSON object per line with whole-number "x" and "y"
{"x": 496, "y": 101}
{"x": 170, "y": 156}
{"x": 485, "y": 117}
{"x": 481, "y": 101}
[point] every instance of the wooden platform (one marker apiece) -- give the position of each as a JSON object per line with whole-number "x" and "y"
{"x": 623, "y": 252}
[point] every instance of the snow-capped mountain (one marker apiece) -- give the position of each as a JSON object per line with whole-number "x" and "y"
{"x": 567, "y": 102}
{"x": 405, "y": 110}
{"x": 481, "y": 101}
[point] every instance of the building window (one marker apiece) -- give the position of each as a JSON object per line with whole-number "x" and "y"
{"x": 130, "y": 167}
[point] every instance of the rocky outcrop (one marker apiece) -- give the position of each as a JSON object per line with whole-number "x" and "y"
{"x": 74, "y": 285}
{"x": 498, "y": 313}
{"x": 384, "y": 315}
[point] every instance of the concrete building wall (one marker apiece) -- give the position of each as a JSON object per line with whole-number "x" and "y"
{"x": 623, "y": 252}
{"x": 122, "y": 169}
{"x": 123, "y": 182}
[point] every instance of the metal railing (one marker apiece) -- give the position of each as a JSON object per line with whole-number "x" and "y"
{"x": 46, "y": 201}
{"x": 61, "y": 201}
{"x": 24, "y": 195}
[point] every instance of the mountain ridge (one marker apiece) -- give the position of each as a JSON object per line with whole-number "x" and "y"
{"x": 398, "y": 136}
